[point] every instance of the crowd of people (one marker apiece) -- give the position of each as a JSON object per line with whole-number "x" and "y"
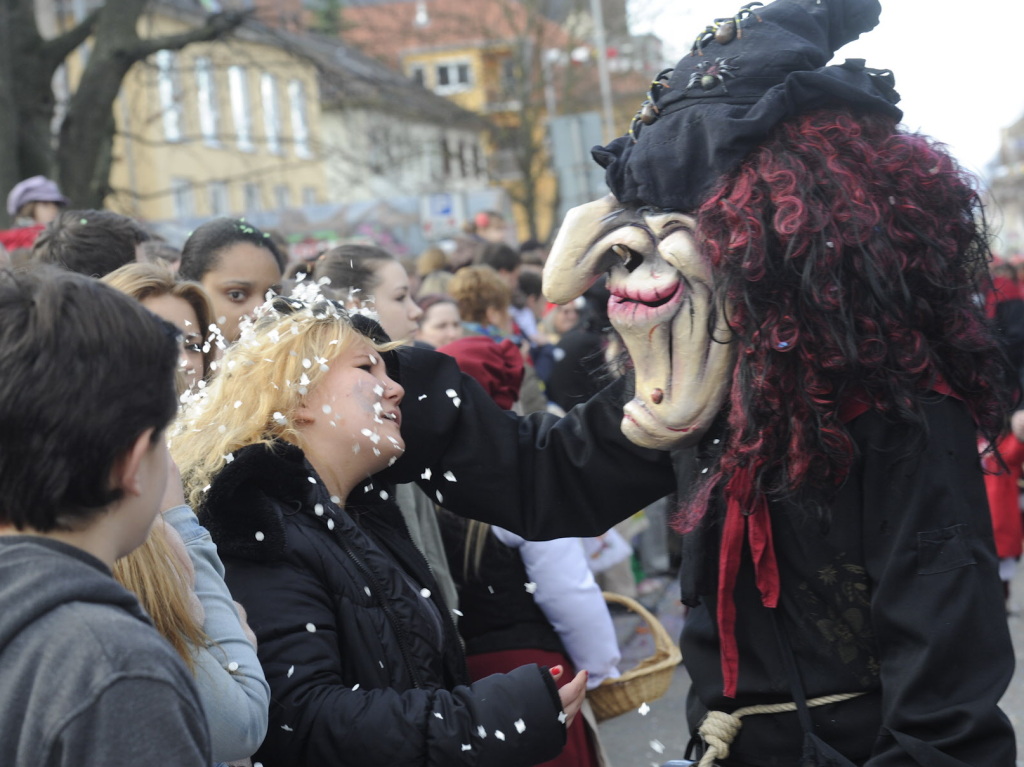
{"x": 325, "y": 597}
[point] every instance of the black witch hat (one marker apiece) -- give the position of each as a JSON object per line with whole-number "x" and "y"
{"x": 743, "y": 75}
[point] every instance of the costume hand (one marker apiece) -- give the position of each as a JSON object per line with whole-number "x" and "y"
{"x": 572, "y": 694}
{"x": 174, "y": 493}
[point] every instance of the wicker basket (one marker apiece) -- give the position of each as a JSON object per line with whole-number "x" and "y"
{"x": 648, "y": 681}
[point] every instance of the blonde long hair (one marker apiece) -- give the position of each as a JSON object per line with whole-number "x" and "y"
{"x": 260, "y": 384}
{"x": 152, "y": 572}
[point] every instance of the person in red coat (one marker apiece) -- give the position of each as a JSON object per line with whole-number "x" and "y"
{"x": 1003, "y": 490}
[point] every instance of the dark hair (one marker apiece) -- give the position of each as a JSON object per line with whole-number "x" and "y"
{"x": 84, "y": 370}
{"x": 159, "y": 252}
{"x": 431, "y": 300}
{"x": 530, "y": 284}
{"x": 203, "y": 247}
{"x": 500, "y": 257}
{"x": 852, "y": 253}
{"x": 90, "y": 242}
{"x": 352, "y": 269}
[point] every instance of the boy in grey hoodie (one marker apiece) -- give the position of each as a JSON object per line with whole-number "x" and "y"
{"x": 86, "y": 391}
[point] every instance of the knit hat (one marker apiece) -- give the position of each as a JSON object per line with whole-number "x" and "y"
{"x": 743, "y": 75}
{"x": 35, "y": 189}
{"x": 498, "y": 367}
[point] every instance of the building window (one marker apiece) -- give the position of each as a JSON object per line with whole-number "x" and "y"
{"x": 282, "y": 196}
{"x": 271, "y": 120}
{"x": 253, "y": 198}
{"x": 300, "y": 123}
{"x": 219, "y": 204}
{"x": 184, "y": 200}
{"x": 453, "y": 77}
{"x": 206, "y": 94}
{"x": 238, "y": 84}
{"x": 418, "y": 76}
{"x": 168, "y": 91}
{"x": 309, "y": 196}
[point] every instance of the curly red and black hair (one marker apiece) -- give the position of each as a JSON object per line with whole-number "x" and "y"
{"x": 851, "y": 254}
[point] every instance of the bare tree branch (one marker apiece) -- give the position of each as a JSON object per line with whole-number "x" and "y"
{"x": 216, "y": 26}
{"x": 54, "y": 51}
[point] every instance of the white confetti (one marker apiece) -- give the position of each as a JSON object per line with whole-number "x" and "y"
{"x": 644, "y": 709}
{"x": 531, "y": 587}
{"x": 259, "y": 536}
{"x": 311, "y": 480}
{"x": 335, "y": 499}
{"x": 318, "y": 509}
{"x": 440, "y": 498}
{"x": 368, "y": 488}
{"x": 238, "y": 404}
{"x": 378, "y": 390}
{"x": 449, "y": 476}
{"x": 310, "y": 628}
{"x": 457, "y": 612}
{"x": 422, "y": 397}
{"x": 715, "y": 441}
{"x": 384, "y": 495}
{"x": 438, "y": 715}
{"x": 452, "y": 393}
{"x": 229, "y": 458}
{"x": 466, "y": 747}
{"x": 307, "y": 364}
{"x": 373, "y": 360}
{"x": 355, "y": 688}
{"x": 426, "y": 474}
{"x": 232, "y": 666}
{"x": 425, "y": 593}
{"x": 381, "y": 663}
{"x": 367, "y": 590}
{"x": 520, "y": 726}
{"x": 481, "y": 731}
{"x": 291, "y": 670}
{"x": 326, "y": 408}
{"x": 499, "y": 735}
{"x": 658, "y": 746}
{"x": 330, "y": 523}
{"x": 704, "y": 470}
{"x": 456, "y": 402}
{"x": 490, "y": 589}
{"x": 562, "y": 717}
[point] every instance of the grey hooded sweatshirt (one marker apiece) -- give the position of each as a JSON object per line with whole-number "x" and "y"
{"x": 85, "y": 679}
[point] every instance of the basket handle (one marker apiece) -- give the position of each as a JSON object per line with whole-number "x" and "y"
{"x": 662, "y": 641}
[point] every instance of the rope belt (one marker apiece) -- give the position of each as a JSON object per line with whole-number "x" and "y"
{"x": 719, "y": 729}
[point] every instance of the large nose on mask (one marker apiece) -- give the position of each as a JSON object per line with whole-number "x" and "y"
{"x": 575, "y": 263}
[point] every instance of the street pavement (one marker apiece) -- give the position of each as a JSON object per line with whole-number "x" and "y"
{"x": 635, "y": 740}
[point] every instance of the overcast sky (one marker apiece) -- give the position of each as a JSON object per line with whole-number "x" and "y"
{"x": 959, "y": 64}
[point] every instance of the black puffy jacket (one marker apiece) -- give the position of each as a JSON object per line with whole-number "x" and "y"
{"x": 364, "y": 665}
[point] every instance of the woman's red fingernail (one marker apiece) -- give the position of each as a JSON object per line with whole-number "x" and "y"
{"x": 556, "y": 671}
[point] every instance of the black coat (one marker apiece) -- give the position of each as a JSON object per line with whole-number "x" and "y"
{"x": 897, "y": 595}
{"x": 363, "y": 663}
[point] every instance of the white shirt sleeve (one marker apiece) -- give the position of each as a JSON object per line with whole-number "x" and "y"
{"x": 568, "y": 595}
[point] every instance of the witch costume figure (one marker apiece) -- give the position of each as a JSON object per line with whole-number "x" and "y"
{"x": 793, "y": 275}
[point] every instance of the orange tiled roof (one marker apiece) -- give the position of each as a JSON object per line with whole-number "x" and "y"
{"x": 390, "y": 31}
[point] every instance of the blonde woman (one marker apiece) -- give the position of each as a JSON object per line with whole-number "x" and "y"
{"x": 363, "y": 661}
{"x": 176, "y": 573}
{"x": 184, "y": 304}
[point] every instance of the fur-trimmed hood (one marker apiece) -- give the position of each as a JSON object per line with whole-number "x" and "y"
{"x": 245, "y": 506}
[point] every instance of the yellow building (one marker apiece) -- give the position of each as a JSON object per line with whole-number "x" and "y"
{"x": 489, "y": 58}
{"x": 229, "y": 127}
